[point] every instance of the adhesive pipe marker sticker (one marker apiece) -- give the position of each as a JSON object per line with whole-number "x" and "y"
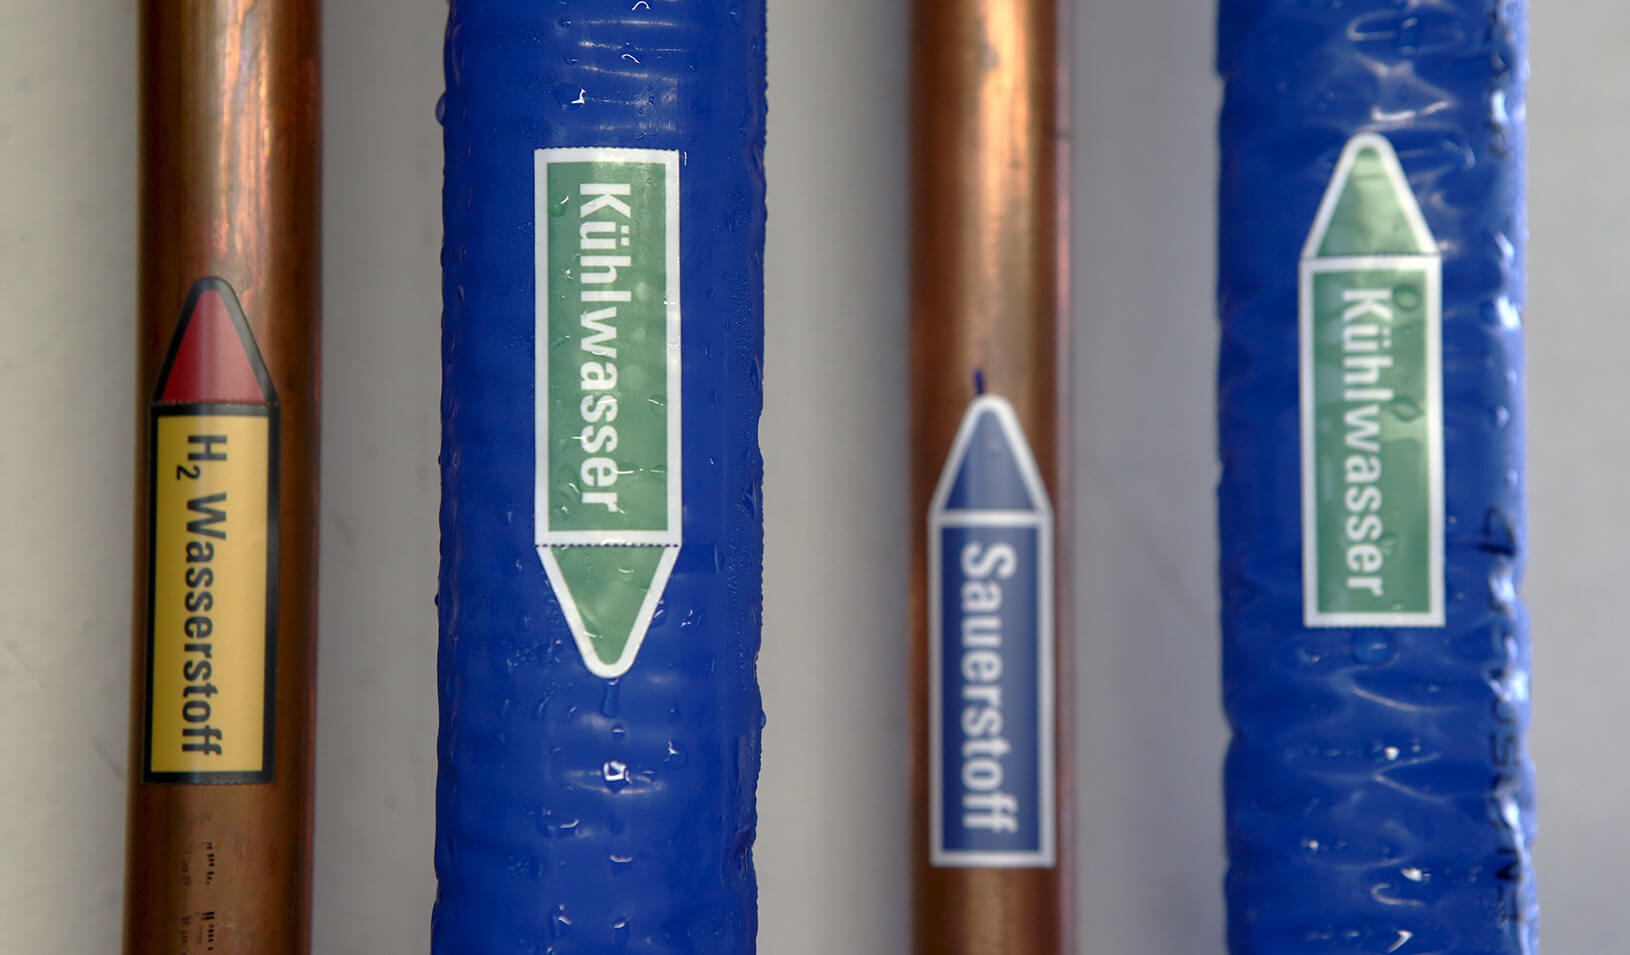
{"x": 990, "y": 612}
{"x": 212, "y": 598}
{"x": 1371, "y": 401}
{"x": 608, "y": 482}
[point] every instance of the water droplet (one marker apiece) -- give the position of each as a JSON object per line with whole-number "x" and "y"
{"x": 616, "y": 774}
{"x": 611, "y": 699}
{"x": 676, "y": 755}
{"x": 1373, "y": 649}
{"x": 559, "y": 923}
{"x": 1499, "y": 536}
{"x": 1502, "y": 416}
{"x": 570, "y": 94}
{"x": 1503, "y": 586}
{"x": 441, "y": 109}
{"x": 1404, "y": 408}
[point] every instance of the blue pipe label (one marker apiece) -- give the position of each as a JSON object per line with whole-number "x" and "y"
{"x": 1371, "y": 401}
{"x": 990, "y": 601}
{"x": 608, "y": 492}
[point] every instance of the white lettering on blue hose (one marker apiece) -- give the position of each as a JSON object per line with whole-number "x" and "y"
{"x": 990, "y": 603}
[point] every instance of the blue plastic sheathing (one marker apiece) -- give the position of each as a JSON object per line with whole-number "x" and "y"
{"x": 1379, "y": 794}
{"x": 576, "y": 814}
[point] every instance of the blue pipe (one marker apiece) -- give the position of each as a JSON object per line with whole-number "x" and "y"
{"x": 602, "y": 538}
{"x": 1375, "y": 652}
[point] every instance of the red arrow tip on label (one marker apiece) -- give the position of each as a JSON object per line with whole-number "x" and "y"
{"x": 211, "y": 363}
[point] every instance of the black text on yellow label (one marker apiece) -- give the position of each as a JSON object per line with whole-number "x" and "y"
{"x": 212, "y": 618}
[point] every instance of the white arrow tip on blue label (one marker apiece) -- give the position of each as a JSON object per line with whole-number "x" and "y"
{"x": 991, "y": 467}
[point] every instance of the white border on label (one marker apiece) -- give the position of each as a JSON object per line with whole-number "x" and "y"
{"x": 1041, "y": 518}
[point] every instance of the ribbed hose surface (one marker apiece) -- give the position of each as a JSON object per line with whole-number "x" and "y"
{"x": 578, "y": 814}
{"x": 1380, "y": 796}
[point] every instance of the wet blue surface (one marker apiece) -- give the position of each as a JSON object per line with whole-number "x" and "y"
{"x": 575, "y": 814}
{"x": 1380, "y": 797}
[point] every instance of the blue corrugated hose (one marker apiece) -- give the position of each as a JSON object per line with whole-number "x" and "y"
{"x": 609, "y": 810}
{"x": 1380, "y": 797}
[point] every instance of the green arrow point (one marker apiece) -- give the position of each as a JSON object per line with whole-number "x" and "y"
{"x": 1370, "y": 208}
{"x": 609, "y": 594}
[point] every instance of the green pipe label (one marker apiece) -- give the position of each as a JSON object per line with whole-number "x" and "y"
{"x": 1371, "y": 401}
{"x": 608, "y": 386}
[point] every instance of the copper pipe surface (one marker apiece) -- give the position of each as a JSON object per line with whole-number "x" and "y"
{"x": 229, "y": 190}
{"x": 988, "y": 299}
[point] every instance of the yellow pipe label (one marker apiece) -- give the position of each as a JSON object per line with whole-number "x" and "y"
{"x": 213, "y": 603}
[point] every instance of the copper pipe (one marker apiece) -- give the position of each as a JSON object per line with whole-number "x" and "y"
{"x": 988, "y": 293}
{"x": 229, "y": 192}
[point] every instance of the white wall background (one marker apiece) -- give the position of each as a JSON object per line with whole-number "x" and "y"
{"x": 832, "y": 869}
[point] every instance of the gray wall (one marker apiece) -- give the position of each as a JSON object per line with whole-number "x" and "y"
{"x": 831, "y": 855}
